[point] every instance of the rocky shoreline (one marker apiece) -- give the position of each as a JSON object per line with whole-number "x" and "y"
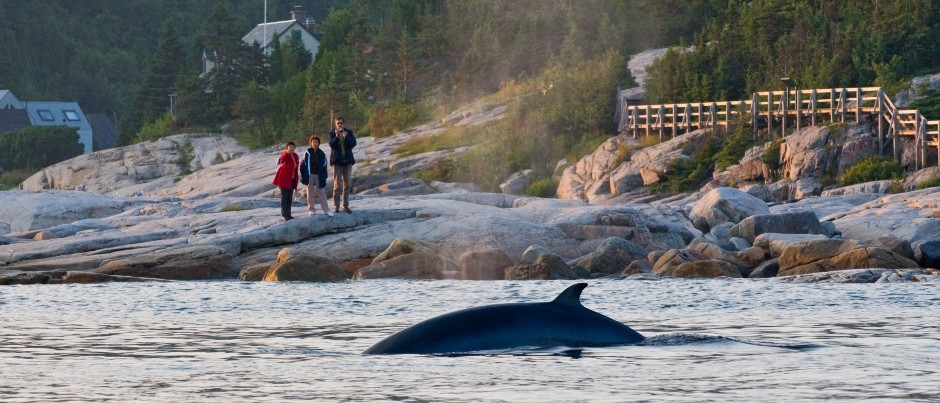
{"x": 200, "y": 207}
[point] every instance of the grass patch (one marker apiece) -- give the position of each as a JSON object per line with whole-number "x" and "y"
{"x": 448, "y": 140}
{"x": 229, "y": 208}
{"x": 929, "y": 183}
{"x": 12, "y": 179}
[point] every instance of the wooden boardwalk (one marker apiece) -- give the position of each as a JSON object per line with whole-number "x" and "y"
{"x": 794, "y": 107}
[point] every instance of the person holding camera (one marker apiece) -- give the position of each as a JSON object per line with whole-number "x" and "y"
{"x": 342, "y": 142}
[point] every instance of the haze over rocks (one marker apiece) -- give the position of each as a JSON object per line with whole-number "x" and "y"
{"x": 199, "y": 206}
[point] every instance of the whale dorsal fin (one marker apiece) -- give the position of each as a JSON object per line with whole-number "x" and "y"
{"x": 571, "y": 295}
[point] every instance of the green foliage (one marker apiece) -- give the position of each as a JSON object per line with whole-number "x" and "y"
{"x": 689, "y": 174}
{"x": 928, "y": 104}
{"x": 450, "y": 139}
{"x": 13, "y": 178}
{"x": 733, "y": 147}
{"x": 929, "y": 183}
{"x": 35, "y": 147}
{"x": 384, "y": 122}
{"x": 545, "y": 187}
{"x": 748, "y": 46}
{"x": 186, "y": 154}
{"x": 871, "y": 169}
{"x": 156, "y": 129}
{"x": 771, "y": 156}
{"x": 442, "y": 170}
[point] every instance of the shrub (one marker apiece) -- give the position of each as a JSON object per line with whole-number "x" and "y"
{"x": 542, "y": 188}
{"x": 871, "y": 169}
{"x": 929, "y": 183}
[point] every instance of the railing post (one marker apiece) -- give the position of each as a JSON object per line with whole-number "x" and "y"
{"x": 858, "y": 104}
{"x": 799, "y": 100}
{"x": 675, "y": 124}
{"x": 880, "y": 105}
{"x": 634, "y": 128}
{"x": 754, "y": 112}
{"x": 813, "y": 105}
{"x": 832, "y": 105}
{"x": 842, "y": 96}
{"x": 728, "y": 114}
{"x": 661, "y": 122}
{"x": 921, "y": 147}
{"x": 688, "y": 118}
{"x": 712, "y": 112}
{"x": 649, "y": 118}
{"x": 770, "y": 112}
{"x": 784, "y": 100}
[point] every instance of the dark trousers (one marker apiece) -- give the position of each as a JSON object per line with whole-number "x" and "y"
{"x": 287, "y": 198}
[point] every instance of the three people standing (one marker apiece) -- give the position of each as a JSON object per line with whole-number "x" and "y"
{"x": 313, "y": 173}
{"x": 342, "y": 142}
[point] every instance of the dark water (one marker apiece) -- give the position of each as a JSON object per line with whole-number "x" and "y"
{"x": 714, "y": 340}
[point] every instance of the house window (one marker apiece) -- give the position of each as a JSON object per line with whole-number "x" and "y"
{"x": 45, "y": 115}
{"x": 71, "y": 115}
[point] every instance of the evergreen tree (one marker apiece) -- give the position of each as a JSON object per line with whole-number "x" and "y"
{"x": 152, "y": 99}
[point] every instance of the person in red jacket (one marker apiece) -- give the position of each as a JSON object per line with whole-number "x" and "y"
{"x": 286, "y": 178}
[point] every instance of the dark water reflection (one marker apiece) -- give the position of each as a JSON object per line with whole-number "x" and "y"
{"x": 708, "y": 341}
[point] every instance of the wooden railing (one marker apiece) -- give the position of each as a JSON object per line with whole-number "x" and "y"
{"x": 799, "y": 107}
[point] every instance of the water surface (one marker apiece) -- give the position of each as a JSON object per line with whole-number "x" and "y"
{"x": 709, "y": 340}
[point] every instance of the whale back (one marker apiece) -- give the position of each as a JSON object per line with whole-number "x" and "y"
{"x": 560, "y": 322}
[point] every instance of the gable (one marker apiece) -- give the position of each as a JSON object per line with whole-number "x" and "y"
{"x": 264, "y": 34}
{"x": 9, "y": 101}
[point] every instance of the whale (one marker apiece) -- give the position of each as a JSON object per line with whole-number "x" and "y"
{"x": 562, "y": 322}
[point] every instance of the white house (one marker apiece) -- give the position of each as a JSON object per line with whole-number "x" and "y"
{"x": 265, "y": 33}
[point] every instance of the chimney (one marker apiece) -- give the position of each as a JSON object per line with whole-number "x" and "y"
{"x": 311, "y": 25}
{"x": 299, "y": 14}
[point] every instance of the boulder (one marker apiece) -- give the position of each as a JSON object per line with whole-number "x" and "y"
{"x": 837, "y": 254}
{"x": 709, "y": 268}
{"x": 928, "y": 254}
{"x": 483, "y": 264}
{"x": 670, "y": 259}
{"x": 767, "y": 269}
{"x": 724, "y": 205}
{"x": 292, "y": 267}
{"x": 197, "y": 262}
{"x": 640, "y": 266}
{"x": 612, "y": 256}
{"x": 896, "y": 245}
{"x": 516, "y": 183}
{"x": 804, "y": 222}
{"x": 413, "y": 266}
{"x": 538, "y": 263}
{"x": 804, "y": 153}
{"x": 773, "y": 243}
{"x": 254, "y": 272}
{"x": 404, "y": 246}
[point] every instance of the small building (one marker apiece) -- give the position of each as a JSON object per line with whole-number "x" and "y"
{"x": 264, "y": 34}
{"x": 16, "y": 114}
{"x": 62, "y": 114}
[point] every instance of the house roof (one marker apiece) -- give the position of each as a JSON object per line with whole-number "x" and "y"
{"x": 274, "y": 29}
{"x": 9, "y": 101}
{"x": 12, "y": 119}
{"x": 57, "y": 114}
{"x": 106, "y": 133}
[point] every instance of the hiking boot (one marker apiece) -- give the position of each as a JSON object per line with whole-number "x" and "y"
{"x": 346, "y": 209}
